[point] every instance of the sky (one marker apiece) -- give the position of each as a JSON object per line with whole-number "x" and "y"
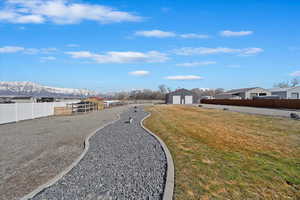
{"x": 117, "y": 45}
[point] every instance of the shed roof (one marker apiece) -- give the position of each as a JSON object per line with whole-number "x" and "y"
{"x": 182, "y": 90}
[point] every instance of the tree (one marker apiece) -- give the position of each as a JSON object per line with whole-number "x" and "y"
{"x": 207, "y": 92}
{"x": 295, "y": 82}
{"x": 163, "y": 89}
{"x": 282, "y": 85}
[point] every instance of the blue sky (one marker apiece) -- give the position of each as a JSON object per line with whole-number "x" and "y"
{"x": 121, "y": 45}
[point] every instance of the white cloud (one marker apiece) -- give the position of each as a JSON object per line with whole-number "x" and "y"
{"x": 194, "y": 36}
{"x": 183, "y": 78}
{"x": 49, "y": 50}
{"x": 121, "y": 57}
{"x": 31, "y": 51}
{"x": 251, "y": 51}
{"x": 11, "y": 49}
{"x": 139, "y": 73}
{"x": 166, "y": 34}
{"x": 228, "y": 33}
{"x": 155, "y": 33}
{"x": 194, "y": 64}
{"x": 296, "y": 73}
{"x": 29, "y": 19}
{"x": 34, "y": 51}
{"x": 187, "y": 51}
{"x": 60, "y": 12}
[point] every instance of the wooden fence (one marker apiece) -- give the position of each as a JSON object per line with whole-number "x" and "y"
{"x": 263, "y": 103}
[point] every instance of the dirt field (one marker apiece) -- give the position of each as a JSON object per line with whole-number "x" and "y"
{"x": 228, "y": 155}
{"x": 32, "y": 152}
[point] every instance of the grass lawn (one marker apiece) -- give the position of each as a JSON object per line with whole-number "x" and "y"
{"x": 226, "y": 155}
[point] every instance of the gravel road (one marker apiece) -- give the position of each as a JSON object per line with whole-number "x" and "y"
{"x": 123, "y": 162}
{"x": 34, "y": 151}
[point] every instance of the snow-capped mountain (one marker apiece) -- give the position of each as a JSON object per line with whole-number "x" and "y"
{"x": 34, "y": 89}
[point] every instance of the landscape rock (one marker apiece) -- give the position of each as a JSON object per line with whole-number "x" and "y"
{"x": 123, "y": 162}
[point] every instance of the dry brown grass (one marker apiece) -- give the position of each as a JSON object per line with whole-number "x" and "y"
{"x": 226, "y": 155}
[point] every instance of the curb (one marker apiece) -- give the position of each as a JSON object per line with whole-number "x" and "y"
{"x": 68, "y": 169}
{"x": 169, "y": 186}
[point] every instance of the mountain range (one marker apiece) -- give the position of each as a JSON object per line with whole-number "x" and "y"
{"x": 37, "y": 90}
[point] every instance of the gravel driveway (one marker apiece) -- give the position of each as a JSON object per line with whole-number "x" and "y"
{"x": 123, "y": 162}
{"x": 34, "y": 151}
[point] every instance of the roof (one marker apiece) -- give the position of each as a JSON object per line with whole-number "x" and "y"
{"x": 283, "y": 89}
{"x": 181, "y": 91}
{"x": 97, "y": 98}
{"x": 241, "y": 90}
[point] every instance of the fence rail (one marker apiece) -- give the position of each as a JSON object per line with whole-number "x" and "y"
{"x": 263, "y": 103}
{"x": 23, "y": 111}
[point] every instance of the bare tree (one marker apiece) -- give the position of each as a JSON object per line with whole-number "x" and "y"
{"x": 169, "y": 89}
{"x": 295, "y": 82}
{"x": 282, "y": 85}
{"x": 163, "y": 89}
{"x": 207, "y": 92}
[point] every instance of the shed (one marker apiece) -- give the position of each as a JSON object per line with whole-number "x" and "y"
{"x": 181, "y": 96}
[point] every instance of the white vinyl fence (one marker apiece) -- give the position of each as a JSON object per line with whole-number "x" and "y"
{"x": 22, "y": 111}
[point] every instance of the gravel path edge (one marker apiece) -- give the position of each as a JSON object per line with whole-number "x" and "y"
{"x": 68, "y": 169}
{"x": 169, "y": 185}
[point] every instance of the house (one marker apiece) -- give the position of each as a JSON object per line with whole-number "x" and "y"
{"x": 181, "y": 96}
{"x": 18, "y": 99}
{"x": 243, "y": 93}
{"x": 287, "y": 93}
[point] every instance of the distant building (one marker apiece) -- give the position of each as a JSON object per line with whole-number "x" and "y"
{"x": 109, "y": 103}
{"x": 287, "y": 93}
{"x": 18, "y": 99}
{"x": 207, "y": 97}
{"x": 45, "y": 99}
{"x": 181, "y": 96}
{"x": 93, "y": 99}
{"x": 244, "y": 93}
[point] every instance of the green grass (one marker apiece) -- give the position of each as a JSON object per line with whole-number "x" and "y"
{"x": 226, "y": 155}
